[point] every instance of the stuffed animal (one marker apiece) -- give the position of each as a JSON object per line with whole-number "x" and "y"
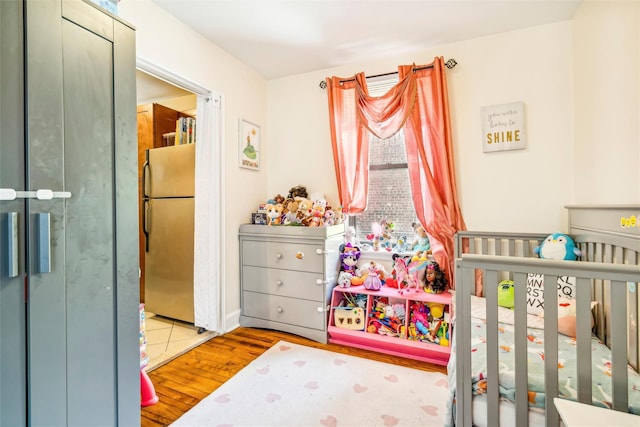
{"x": 303, "y": 215}
{"x": 297, "y": 191}
{"x": 329, "y": 217}
{"x": 436, "y": 280}
{"x": 317, "y": 214}
{"x": 274, "y": 213}
{"x": 289, "y": 211}
{"x": 349, "y": 257}
{"x": 350, "y": 235}
{"x": 558, "y": 246}
{"x": 422, "y": 241}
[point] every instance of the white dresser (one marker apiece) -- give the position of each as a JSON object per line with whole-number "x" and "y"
{"x": 287, "y": 274}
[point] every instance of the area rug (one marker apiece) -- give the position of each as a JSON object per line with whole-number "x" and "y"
{"x": 294, "y": 385}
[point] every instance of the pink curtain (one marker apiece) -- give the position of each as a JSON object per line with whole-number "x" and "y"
{"x": 419, "y": 102}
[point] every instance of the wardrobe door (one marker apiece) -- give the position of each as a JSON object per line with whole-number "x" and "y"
{"x": 12, "y": 214}
{"x": 83, "y": 312}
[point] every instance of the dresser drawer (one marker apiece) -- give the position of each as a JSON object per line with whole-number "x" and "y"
{"x": 286, "y": 283}
{"x": 304, "y": 313}
{"x": 285, "y": 255}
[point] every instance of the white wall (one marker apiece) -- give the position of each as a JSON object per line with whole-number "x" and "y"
{"x": 513, "y": 190}
{"x": 607, "y": 101}
{"x": 169, "y": 44}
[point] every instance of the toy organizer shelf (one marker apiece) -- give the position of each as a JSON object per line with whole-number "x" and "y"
{"x": 349, "y": 326}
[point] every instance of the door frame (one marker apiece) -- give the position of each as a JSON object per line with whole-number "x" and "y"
{"x": 209, "y": 237}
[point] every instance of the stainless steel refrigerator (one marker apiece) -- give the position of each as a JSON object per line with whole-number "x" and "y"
{"x": 169, "y": 184}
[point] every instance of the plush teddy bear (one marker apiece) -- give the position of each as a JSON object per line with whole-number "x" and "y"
{"x": 422, "y": 241}
{"x": 303, "y": 215}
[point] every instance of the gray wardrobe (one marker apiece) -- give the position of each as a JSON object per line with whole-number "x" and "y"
{"x": 69, "y": 322}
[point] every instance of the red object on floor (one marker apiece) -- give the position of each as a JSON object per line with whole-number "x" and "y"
{"x": 147, "y": 391}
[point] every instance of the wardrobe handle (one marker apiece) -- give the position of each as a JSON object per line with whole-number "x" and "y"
{"x": 12, "y": 243}
{"x": 43, "y": 259}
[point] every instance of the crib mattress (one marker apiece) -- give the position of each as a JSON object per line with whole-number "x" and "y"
{"x": 567, "y": 367}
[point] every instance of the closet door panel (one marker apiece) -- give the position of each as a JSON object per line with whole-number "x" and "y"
{"x": 13, "y": 383}
{"x": 89, "y": 223}
{"x": 47, "y": 333}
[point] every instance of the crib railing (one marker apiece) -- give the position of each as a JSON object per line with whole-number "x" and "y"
{"x": 518, "y": 267}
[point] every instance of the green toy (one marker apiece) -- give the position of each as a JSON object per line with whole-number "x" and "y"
{"x": 506, "y": 293}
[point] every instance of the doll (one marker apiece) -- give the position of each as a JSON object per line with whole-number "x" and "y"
{"x": 436, "y": 282}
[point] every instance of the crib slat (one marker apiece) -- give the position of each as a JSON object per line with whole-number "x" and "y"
{"x": 619, "y": 347}
{"x": 520, "y": 344}
{"x": 550, "y": 348}
{"x": 463, "y": 342}
{"x": 583, "y": 340}
{"x": 491, "y": 291}
{"x": 632, "y": 301}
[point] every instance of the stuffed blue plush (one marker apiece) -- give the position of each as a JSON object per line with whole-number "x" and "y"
{"x": 558, "y": 246}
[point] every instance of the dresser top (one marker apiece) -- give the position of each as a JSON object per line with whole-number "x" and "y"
{"x": 291, "y": 231}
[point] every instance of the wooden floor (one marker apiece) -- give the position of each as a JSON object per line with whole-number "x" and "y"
{"x": 183, "y": 382}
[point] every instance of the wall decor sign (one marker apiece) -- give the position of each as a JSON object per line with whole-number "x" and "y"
{"x": 503, "y": 127}
{"x": 249, "y": 145}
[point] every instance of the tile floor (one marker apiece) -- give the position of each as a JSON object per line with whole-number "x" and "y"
{"x": 168, "y": 339}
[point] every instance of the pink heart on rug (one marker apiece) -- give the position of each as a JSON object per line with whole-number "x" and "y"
{"x": 223, "y": 398}
{"x": 442, "y": 383}
{"x": 272, "y": 397}
{"x": 330, "y": 421}
{"x": 339, "y": 362}
{"x": 312, "y": 385}
{"x": 299, "y": 363}
{"x": 392, "y": 378}
{"x": 263, "y": 371}
{"x": 284, "y": 348}
{"x": 359, "y": 388}
{"x": 431, "y": 410}
{"x": 389, "y": 421}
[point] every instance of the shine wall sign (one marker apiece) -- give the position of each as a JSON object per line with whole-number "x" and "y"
{"x": 503, "y": 127}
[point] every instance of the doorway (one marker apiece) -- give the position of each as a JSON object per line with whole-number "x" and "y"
{"x": 163, "y": 87}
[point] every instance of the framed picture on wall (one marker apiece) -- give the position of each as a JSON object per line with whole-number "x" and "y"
{"x": 248, "y": 145}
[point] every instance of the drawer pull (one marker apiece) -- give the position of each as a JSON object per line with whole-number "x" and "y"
{"x": 300, "y": 255}
{"x": 279, "y": 282}
{"x": 320, "y": 309}
{"x": 320, "y": 282}
{"x": 321, "y": 252}
{"x": 279, "y": 310}
{"x": 279, "y": 255}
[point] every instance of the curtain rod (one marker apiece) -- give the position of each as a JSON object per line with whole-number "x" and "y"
{"x": 451, "y": 63}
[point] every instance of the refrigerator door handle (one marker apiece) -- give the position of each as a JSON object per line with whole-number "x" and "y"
{"x": 145, "y": 169}
{"x": 145, "y": 230}
{"x": 12, "y": 244}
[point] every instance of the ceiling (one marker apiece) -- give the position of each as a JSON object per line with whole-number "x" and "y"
{"x": 279, "y": 38}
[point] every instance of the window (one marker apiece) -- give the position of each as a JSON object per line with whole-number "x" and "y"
{"x": 389, "y": 188}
